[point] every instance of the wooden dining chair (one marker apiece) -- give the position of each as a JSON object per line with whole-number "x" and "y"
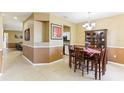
{"x": 90, "y": 60}
{"x": 71, "y": 55}
{"x": 100, "y": 63}
{"x": 104, "y": 61}
{"x": 79, "y": 59}
{"x": 97, "y": 62}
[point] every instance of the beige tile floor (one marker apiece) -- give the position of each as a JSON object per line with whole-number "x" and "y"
{"x": 16, "y": 68}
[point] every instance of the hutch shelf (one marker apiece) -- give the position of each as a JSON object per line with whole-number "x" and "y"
{"x": 96, "y": 38}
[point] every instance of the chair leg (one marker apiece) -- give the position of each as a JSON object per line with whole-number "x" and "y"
{"x": 99, "y": 71}
{"x": 75, "y": 65}
{"x": 70, "y": 65}
{"x": 79, "y": 65}
{"x": 84, "y": 61}
{"x": 95, "y": 70}
{"x": 87, "y": 66}
{"x": 103, "y": 68}
{"x": 83, "y": 69}
{"x": 92, "y": 66}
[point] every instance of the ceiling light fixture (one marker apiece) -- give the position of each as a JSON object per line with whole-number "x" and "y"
{"x": 89, "y": 25}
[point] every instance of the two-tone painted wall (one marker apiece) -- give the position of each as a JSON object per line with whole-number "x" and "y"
{"x": 41, "y": 48}
{"x": 115, "y": 36}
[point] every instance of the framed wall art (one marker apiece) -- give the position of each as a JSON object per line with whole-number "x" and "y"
{"x": 27, "y": 34}
{"x": 56, "y": 32}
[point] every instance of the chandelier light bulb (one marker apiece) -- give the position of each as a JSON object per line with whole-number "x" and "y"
{"x": 89, "y": 25}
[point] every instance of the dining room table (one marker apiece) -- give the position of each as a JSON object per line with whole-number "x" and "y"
{"x": 89, "y": 51}
{"x": 93, "y": 54}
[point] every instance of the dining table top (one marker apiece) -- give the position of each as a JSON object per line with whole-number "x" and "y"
{"x": 90, "y": 51}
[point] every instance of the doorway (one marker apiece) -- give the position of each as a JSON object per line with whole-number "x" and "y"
{"x": 66, "y": 39}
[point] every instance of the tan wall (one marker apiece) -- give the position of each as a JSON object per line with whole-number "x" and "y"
{"x": 45, "y": 32}
{"x": 115, "y": 26}
{"x": 66, "y": 29}
{"x": 11, "y": 43}
{"x": 28, "y": 23}
{"x": 44, "y": 19}
{"x": 47, "y": 55}
{"x": 55, "y": 53}
{"x": 61, "y": 21}
{"x": 11, "y": 36}
{"x": 42, "y": 55}
{"x": 39, "y": 28}
{"x": 80, "y": 34}
{"x": 28, "y": 52}
{"x": 52, "y": 19}
{"x": 40, "y": 16}
{"x": 115, "y": 36}
{"x": 41, "y": 31}
{"x": 116, "y": 55}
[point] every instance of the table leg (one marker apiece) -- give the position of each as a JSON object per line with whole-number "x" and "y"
{"x": 70, "y": 61}
{"x": 95, "y": 70}
{"x": 99, "y": 71}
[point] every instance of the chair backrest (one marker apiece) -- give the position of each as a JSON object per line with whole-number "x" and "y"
{"x": 79, "y": 46}
{"x": 71, "y": 47}
{"x": 79, "y": 53}
{"x": 75, "y": 50}
{"x": 71, "y": 50}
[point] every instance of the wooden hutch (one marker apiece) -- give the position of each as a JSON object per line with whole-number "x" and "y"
{"x": 96, "y": 38}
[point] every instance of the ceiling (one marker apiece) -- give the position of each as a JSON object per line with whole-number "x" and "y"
{"x": 77, "y": 17}
{"x": 12, "y": 23}
{"x": 13, "y": 20}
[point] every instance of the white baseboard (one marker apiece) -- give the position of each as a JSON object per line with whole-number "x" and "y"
{"x": 116, "y": 63}
{"x": 27, "y": 60}
{"x": 39, "y": 64}
{"x": 10, "y": 48}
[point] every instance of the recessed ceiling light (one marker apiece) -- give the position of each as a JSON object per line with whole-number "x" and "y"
{"x": 15, "y": 17}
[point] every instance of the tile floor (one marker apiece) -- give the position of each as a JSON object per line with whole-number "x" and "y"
{"x": 16, "y": 68}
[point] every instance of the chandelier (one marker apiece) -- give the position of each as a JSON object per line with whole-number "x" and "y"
{"x": 89, "y": 25}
